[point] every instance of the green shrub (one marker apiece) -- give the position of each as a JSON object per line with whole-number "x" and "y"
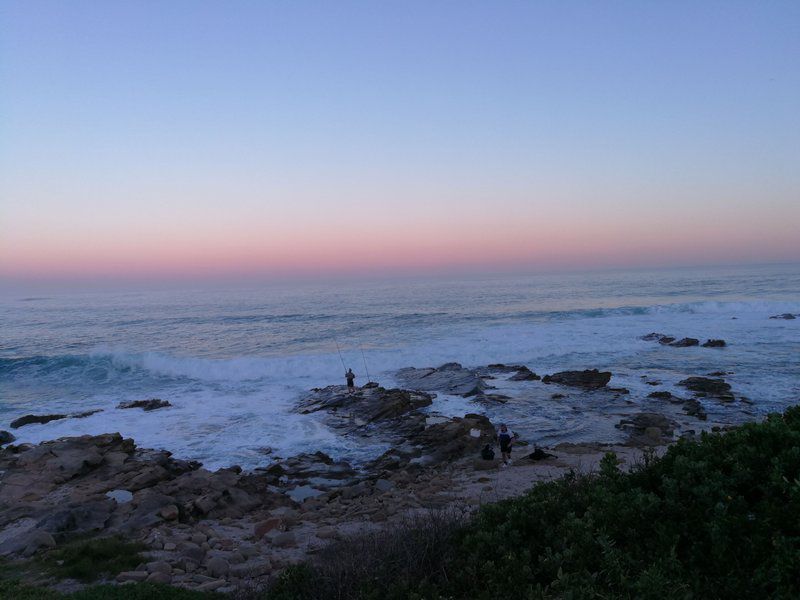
{"x": 88, "y": 560}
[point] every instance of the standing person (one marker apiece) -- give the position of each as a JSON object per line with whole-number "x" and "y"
{"x": 506, "y": 441}
{"x": 350, "y": 377}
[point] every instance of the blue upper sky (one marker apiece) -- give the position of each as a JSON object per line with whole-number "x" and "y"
{"x": 245, "y": 136}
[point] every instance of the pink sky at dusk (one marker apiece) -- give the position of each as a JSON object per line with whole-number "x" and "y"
{"x": 306, "y": 141}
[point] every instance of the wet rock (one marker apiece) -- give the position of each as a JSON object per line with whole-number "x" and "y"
{"x": 685, "y": 343}
{"x": 450, "y": 378}
{"x": 666, "y": 340}
{"x": 716, "y": 388}
{"x": 653, "y": 337}
{"x": 714, "y": 344}
{"x": 557, "y": 396}
{"x": 147, "y": 405}
{"x": 620, "y": 390}
{"x": 661, "y": 395}
{"x": 6, "y": 437}
{"x": 524, "y": 374}
{"x": 785, "y": 316}
{"x": 35, "y": 419}
{"x": 694, "y": 409}
{"x": 590, "y": 379}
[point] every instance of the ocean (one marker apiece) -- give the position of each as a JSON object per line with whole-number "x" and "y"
{"x": 233, "y": 362}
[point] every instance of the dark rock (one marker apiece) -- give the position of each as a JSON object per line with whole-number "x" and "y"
{"x": 370, "y": 385}
{"x": 88, "y": 413}
{"x": 151, "y": 404}
{"x": 590, "y": 379}
{"x": 685, "y": 343}
{"x": 38, "y": 419}
{"x": 653, "y": 337}
{"x": 786, "y": 316}
{"x": 717, "y": 388}
{"x": 524, "y": 374}
{"x": 714, "y": 344}
{"x": 540, "y": 454}
{"x": 694, "y": 409}
{"x": 648, "y": 429}
{"x": 619, "y": 390}
{"x": 6, "y": 437}
{"x": 667, "y": 339}
{"x": 660, "y": 395}
{"x": 557, "y": 396}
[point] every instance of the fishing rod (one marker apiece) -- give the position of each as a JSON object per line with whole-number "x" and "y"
{"x": 365, "y": 363}
{"x": 340, "y": 354}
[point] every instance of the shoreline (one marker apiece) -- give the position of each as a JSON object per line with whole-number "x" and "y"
{"x": 230, "y": 528}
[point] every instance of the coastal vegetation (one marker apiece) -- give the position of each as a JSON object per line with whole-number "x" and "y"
{"x": 713, "y": 518}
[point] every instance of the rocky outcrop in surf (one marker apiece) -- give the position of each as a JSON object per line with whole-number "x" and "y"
{"x": 42, "y": 419}
{"x": 589, "y": 379}
{"x": 686, "y": 342}
{"x": 147, "y": 405}
{"x": 705, "y": 386}
{"x": 450, "y": 378}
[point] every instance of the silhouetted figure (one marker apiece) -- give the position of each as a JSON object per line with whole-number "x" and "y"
{"x": 351, "y": 381}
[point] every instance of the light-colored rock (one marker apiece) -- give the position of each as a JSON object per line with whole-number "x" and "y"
{"x": 120, "y": 496}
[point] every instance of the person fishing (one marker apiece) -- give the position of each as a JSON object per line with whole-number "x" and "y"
{"x": 351, "y": 381}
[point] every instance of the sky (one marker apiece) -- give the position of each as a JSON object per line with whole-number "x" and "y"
{"x": 178, "y": 140}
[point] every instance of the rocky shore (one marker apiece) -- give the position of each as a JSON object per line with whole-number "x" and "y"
{"x": 220, "y": 530}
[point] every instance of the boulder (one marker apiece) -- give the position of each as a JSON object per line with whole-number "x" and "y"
{"x": 6, "y": 437}
{"x": 151, "y": 404}
{"x": 716, "y": 388}
{"x": 524, "y": 374}
{"x": 589, "y": 379}
{"x": 653, "y": 337}
{"x": 217, "y": 566}
{"x": 785, "y": 316}
{"x": 714, "y": 344}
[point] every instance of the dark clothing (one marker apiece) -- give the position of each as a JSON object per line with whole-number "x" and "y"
{"x": 350, "y": 376}
{"x": 505, "y": 442}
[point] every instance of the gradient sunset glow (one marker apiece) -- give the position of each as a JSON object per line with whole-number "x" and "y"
{"x": 211, "y": 140}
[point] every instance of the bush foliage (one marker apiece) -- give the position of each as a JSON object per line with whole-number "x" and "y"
{"x": 715, "y": 518}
